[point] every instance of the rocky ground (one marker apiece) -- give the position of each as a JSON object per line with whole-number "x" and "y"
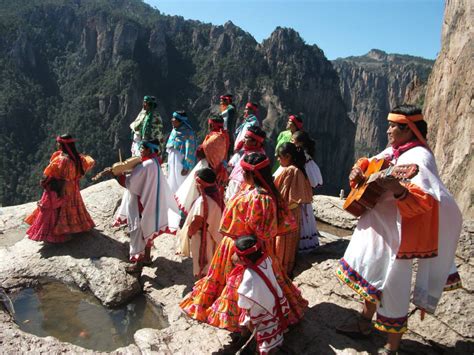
{"x": 96, "y": 261}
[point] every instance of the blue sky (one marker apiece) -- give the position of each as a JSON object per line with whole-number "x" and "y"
{"x": 341, "y": 28}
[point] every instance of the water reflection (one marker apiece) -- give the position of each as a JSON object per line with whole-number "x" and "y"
{"x": 79, "y": 318}
{"x": 328, "y": 228}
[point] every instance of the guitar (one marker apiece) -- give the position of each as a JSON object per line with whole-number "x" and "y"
{"x": 366, "y": 193}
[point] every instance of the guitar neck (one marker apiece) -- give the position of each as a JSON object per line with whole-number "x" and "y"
{"x": 380, "y": 174}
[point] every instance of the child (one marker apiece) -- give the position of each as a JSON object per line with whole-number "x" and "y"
{"x": 200, "y": 233}
{"x": 45, "y": 219}
{"x": 309, "y": 232}
{"x": 265, "y": 308}
{"x": 295, "y": 190}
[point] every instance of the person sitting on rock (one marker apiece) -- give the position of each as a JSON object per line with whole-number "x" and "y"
{"x": 264, "y": 307}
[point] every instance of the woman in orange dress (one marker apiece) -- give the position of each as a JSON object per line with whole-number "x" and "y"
{"x": 68, "y": 165}
{"x": 252, "y": 211}
{"x": 295, "y": 190}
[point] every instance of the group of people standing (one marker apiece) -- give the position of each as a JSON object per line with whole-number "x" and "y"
{"x": 243, "y": 220}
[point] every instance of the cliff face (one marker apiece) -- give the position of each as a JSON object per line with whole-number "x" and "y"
{"x": 449, "y": 108}
{"x": 372, "y": 84}
{"x": 83, "y": 67}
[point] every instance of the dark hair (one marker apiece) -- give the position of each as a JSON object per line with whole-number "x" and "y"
{"x": 305, "y": 140}
{"x": 245, "y": 242}
{"x": 411, "y": 110}
{"x": 53, "y": 184}
{"x": 70, "y": 148}
{"x": 258, "y": 131}
{"x": 151, "y": 141}
{"x": 216, "y": 118}
{"x": 298, "y": 158}
{"x": 265, "y": 173}
{"x": 207, "y": 174}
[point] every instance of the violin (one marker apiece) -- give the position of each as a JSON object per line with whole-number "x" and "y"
{"x": 119, "y": 168}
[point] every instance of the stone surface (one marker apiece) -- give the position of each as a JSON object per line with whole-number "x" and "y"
{"x": 329, "y": 210}
{"x": 96, "y": 261}
{"x": 449, "y": 105}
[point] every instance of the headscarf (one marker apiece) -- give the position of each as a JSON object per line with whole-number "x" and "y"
{"x": 256, "y": 170}
{"x": 409, "y": 120}
{"x": 298, "y": 123}
{"x": 183, "y": 119}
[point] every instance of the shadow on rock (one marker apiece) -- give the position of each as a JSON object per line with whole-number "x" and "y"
{"x": 92, "y": 244}
{"x": 169, "y": 273}
{"x": 333, "y": 250}
{"x": 316, "y": 333}
{"x": 413, "y": 347}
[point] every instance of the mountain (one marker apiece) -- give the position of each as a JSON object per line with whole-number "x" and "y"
{"x": 449, "y": 108}
{"x": 372, "y": 84}
{"x": 83, "y": 66}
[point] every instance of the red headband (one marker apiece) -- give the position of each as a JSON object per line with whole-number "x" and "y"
{"x": 251, "y": 106}
{"x": 254, "y": 136}
{"x": 297, "y": 123}
{"x": 203, "y": 183}
{"x": 250, "y": 250}
{"x": 65, "y": 140}
{"x": 249, "y": 167}
{"x": 226, "y": 98}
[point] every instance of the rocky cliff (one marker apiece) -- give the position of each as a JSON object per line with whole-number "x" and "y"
{"x": 449, "y": 107}
{"x": 372, "y": 84}
{"x": 83, "y": 67}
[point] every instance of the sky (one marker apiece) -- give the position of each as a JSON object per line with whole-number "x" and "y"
{"x": 341, "y": 28}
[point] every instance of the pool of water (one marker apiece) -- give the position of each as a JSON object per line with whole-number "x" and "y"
{"x": 328, "y": 228}
{"x": 77, "y": 317}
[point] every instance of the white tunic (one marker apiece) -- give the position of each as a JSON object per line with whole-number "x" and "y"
{"x": 147, "y": 185}
{"x": 374, "y": 245}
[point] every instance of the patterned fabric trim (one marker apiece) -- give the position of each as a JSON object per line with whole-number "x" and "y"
{"x": 453, "y": 282}
{"x": 391, "y": 325}
{"x": 139, "y": 257}
{"x": 425, "y": 255}
{"x": 351, "y": 278}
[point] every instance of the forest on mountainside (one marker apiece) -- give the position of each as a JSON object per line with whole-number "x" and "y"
{"x": 83, "y": 66}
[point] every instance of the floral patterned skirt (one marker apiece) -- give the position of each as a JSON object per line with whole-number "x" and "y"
{"x": 214, "y": 297}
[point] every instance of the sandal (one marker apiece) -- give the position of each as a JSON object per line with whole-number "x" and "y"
{"x": 359, "y": 328}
